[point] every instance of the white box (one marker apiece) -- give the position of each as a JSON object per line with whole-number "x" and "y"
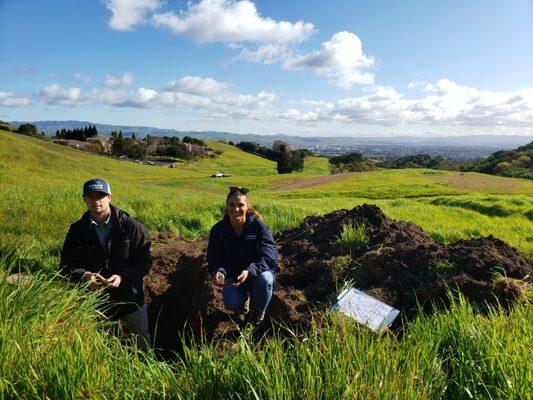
{"x": 365, "y": 309}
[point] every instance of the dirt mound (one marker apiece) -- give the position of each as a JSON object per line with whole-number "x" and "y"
{"x": 393, "y": 261}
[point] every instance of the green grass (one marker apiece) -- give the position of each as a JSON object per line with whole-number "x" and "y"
{"x": 53, "y": 343}
{"x": 40, "y": 190}
{"x": 352, "y": 237}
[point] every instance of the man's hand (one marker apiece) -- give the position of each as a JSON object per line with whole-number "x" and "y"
{"x": 96, "y": 280}
{"x": 114, "y": 281}
{"x": 218, "y": 278}
{"x": 241, "y": 278}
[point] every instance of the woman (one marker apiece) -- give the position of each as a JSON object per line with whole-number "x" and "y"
{"x": 242, "y": 258}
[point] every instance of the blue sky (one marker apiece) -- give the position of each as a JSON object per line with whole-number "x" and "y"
{"x": 305, "y": 68}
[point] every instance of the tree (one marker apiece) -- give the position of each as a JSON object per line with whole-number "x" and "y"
{"x": 502, "y": 167}
{"x": 283, "y": 166}
{"x": 28, "y": 130}
{"x": 279, "y": 145}
{"x": 117, "y": 148}
{"x": 248, "y": 147}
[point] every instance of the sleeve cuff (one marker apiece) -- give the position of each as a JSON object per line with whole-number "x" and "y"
{"x": 252, "y": 269}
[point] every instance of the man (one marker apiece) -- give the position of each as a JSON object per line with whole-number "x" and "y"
{"x": 111, "y": 250}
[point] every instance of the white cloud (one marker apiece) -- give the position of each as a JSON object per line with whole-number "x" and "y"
{"x": 416, "y": 84}
{"x": 210, "y": 21}
{"x": 341, "y": 59}
{"x": 195, "y": 85}
{"x": 266, "y": 54}
{"x": 208, "y": 97}
{"x": 127, "y": 13}
{"x": 449, "y": 104}
{"x": 82, "y": 78}
{"x": 56, "y": 94}
{"x": 7, "y": 99}
{"x": 117, "y": 82}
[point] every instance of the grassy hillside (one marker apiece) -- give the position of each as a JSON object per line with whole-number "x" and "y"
{"x": 516, "y": 163}
{"x": 52, "y": 344}
{"x": 40, "y": 188}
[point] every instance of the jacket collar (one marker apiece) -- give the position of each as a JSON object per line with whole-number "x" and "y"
{"x": 226, "y": 224}
{"x": 116, "y": 217}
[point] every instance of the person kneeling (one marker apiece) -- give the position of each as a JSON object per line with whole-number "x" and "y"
{"x": 242, "y": 258}
{"x": 110, "y": 250}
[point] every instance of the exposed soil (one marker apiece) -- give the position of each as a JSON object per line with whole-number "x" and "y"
{"x": 306, "y": 183}
{"x": 398, "y": 264}
{"x": 492, "y": 183}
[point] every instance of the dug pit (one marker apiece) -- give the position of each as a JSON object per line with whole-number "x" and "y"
{"x": 396, "y": 262}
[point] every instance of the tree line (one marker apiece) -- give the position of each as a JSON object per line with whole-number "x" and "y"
{"x": 81, "y": 134}
{"x": 172, "y": 147}
{"x": 350, "y": 162}
{"x": 287, "y": 159}
{"x": 24, "y": 129}
{"x": 418, "y": 161}
{"x": 516, "y": 163}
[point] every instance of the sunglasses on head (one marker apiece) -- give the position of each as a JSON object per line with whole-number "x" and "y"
{"x": 234, "y": 189}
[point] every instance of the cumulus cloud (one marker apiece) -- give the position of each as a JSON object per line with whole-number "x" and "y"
{"x": 211, "y": 21}
{"x": 266, "y": 54}
{"x": 420, "y": 85}
{"x": 239, "y": 25}
{"x": 57, "y": 95}
{"x": 117, "y": 82}
{"x": 208, "y": 97}
{"x": 8, "y": 99}
{"x": 448, "y": 104}
{"x": 128, "y": 13}
{"x": 195, "y": 85}
{"x": 341, "y": 59}
{"x": 82, "y": 78}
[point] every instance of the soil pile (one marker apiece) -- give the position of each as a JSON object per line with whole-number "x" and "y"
{"x": 393, "y": 261}
{"x": 397, "y": 263}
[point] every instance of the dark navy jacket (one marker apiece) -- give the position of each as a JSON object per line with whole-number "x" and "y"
{"x": 230, "y": 254}
{"x": 127, "y": 255}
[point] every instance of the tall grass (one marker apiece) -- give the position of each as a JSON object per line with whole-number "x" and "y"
{"x": 53, "y": 345}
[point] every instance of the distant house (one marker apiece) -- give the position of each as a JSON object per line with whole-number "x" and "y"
{"x": 106, "y": 142}
{"x": 75, "y": 144}
{"x": 92, "y": 144}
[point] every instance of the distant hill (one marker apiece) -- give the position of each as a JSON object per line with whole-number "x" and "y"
{"x": 486, "y": 141}
{"x": 517, "y": 163}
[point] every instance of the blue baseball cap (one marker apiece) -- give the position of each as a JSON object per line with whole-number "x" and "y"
{"x": 96, "y": 185}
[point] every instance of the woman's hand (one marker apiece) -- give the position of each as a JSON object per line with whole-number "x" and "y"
{"x": 241, "y": 278}
{"x": 218, "y": 278}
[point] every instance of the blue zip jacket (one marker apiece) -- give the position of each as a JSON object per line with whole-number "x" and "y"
{"x": 230, "y": 254}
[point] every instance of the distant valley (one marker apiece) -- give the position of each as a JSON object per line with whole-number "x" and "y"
{"x": 453, "y": 148}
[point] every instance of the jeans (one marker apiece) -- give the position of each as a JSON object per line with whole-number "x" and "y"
{"x": 136, "y": 325}
{"x": 259, "y": 289}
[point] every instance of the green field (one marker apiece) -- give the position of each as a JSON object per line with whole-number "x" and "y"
{"x": 52, "y": 346}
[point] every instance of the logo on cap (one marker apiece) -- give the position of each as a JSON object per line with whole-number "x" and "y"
{"x": 96, "y": 185}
